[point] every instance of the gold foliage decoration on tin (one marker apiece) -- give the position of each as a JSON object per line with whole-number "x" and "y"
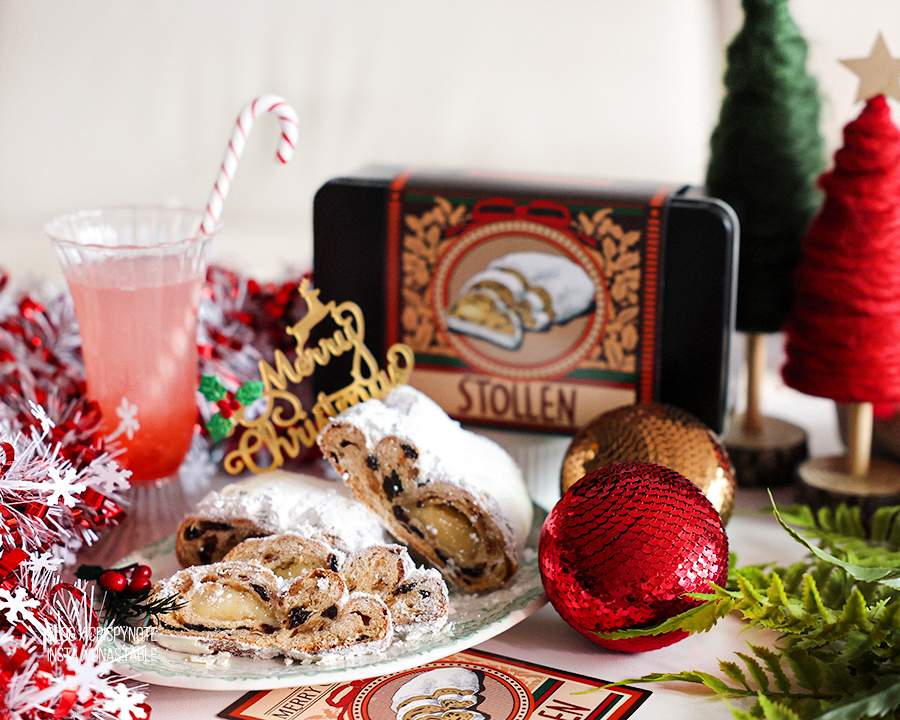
{"x": 620, "y": 261}
{"x": 273, "y": 418}
{"x": 423, "y": 242}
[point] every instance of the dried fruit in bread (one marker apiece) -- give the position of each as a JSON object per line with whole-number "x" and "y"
{"x": 276, "y": 502}
{"x": 454, "y": 496}
{"x": 417, "y": 597}
{"x": 241, "y": 608}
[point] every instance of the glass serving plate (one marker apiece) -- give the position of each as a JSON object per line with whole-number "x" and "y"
{"x": 473, "y": 619}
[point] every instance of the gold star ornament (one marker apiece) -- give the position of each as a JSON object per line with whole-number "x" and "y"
{"x": 879, "y": 74}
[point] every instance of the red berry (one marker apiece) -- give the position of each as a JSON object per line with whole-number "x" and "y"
{"x": 138, "y": 584}
{"x": 113, "y": 581}
{"x": 141, "y": 571}
{"x": 225, "y": 408}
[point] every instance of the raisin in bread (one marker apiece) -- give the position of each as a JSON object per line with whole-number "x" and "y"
{"x": 417, "y": 597}
{"x": 275, "y": 502}
{"x": 288, "y": 555}
{"x": 242, "y": 608}
{"x": 454, "y": 496}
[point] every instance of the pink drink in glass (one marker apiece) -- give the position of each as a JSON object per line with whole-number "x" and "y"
{"x": 140, "y": 358}
{"x": 135, "y": 283}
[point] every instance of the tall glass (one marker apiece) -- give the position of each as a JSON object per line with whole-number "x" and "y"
{"x": 135, "y": 274}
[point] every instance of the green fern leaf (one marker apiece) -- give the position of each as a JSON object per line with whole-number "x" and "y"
{"x": 697, "y": 619}
{"x": 886, "y": 576}
{"x": 737, "y": 714}
{"x": 793, "y": 577}
{"x": 776, "y": 711}
{"x": 758, "y": 675}
{"x": 806, "y": 668}
{"x": 847, "y": 521}
{"x": 751, "y": 602}
{"x": 733, "y": 672}
{"x": 799, "y": 515}
{"x": 824, "y": 518}
{"x": 893, "y": 538}
{"x": 833, "y": 585}
{"x": 812, "y": 600}
{"x": 776, "y": 595}
{"x": 872, "y": 705}
{"x": 882, "y": 519}
{"x": 716, "y": 684}
{"x": 773, "y": 665}
{"x": 855, "y": 613}
{"x": 885, "y": 526}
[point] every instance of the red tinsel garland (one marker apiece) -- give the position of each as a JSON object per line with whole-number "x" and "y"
{"x": 241, "y": 323}
{"x": 59, "y": 485}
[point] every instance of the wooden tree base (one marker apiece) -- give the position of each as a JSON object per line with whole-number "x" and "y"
{"x": 768, "y": 457}
{"x": 825, "y": 482}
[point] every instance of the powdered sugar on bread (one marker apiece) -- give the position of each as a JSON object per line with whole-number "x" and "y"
{"x": 281, "y": 501}
{"x": 276, "y": 502}
{"x": 448, "y": 452}
{"x": 455, "y": 496}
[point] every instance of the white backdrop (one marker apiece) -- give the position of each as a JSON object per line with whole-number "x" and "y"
{"x": 108, "y": 101}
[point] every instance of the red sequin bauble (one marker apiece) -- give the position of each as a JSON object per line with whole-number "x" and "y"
{"x": 623, "y": 545}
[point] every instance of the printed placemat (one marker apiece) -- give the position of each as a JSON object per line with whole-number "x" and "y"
{"x": 471, "y": 684}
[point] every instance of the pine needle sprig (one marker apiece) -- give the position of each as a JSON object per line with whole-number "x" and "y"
{"x": 135, "y": 607}
{"x": 836, "y": 614}
{"x": 120, "y": 610}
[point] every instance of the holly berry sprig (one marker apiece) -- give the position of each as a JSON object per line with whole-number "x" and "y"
{"x": 126, "y": 592}
{"x": 222, "y": 422}
{"x": 117, "y": 581}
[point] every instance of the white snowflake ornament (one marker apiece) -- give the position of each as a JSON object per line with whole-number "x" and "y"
{"x": 46, "y": 562}
{"x": 17, "y": 605}
{"x": 124, "y": 702}
{"x": 64, "y": 488}
{"x": 109, "y": 477}
{"x": 87, "y": 674}
{"x": 41, "y": 416}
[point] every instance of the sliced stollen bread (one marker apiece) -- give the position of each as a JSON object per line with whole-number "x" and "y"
{"x": 417, "y": 597}
{"x": 288, "y": 555}
{"x": 272, "y": 503}
{"x": 455, "y": 497}
{"x": 242, "y": 608}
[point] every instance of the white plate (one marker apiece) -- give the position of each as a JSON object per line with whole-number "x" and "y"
{"x": 473, "y": 619}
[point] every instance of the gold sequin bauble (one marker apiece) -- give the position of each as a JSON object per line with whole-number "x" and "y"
{"x": 654, "y": 433}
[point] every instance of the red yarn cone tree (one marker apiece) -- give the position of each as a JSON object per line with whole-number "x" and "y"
{"x": 843, "y": 332}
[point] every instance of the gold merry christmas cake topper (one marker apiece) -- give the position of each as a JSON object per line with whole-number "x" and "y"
{"x": 273, "y": 417}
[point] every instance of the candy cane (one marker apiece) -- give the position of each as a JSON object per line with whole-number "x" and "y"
{"x": 289, "y": 131}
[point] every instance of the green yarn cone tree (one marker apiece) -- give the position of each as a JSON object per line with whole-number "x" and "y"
{"x": 766, "y": 154}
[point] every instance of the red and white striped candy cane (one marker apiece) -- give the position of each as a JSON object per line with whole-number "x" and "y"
{"x": 289, "y": 131}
